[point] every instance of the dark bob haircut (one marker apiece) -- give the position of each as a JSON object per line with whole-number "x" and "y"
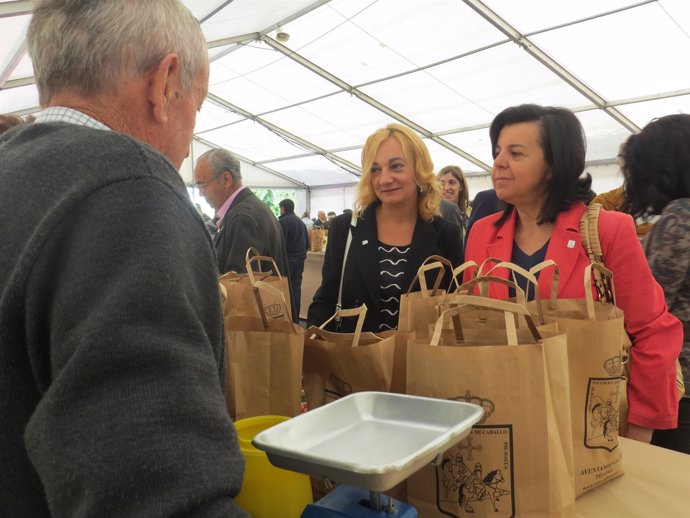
{"x": 563, "y": 142}
{"x": 656, "y": 165}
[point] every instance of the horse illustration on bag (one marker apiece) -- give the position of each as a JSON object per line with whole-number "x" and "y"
{"x": 478, "y": 488}
{"x": 602, "y": 413}
{"x": 463, "y": 486}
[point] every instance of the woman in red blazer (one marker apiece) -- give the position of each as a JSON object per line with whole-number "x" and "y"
{"x": 539, "y": 156}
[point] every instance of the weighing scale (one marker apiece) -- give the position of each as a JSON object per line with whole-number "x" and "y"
{"x": 368, "y": 442}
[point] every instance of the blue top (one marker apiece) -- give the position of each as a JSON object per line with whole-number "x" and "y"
{"x": 525, "y": 261}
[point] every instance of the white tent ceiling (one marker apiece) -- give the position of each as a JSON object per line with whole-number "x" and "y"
{"x": 297, "y": 112}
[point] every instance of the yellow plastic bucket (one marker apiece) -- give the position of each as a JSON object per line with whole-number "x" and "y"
{"x": 268, "y": 491}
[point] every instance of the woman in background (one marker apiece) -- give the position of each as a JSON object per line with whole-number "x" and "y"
{"x": 395, "y": 227}
{"x": 539, "y": 157}
{"x": 307, "y": 220}
{"x": 656, "y": 165}
{"x": 454, "y": 188}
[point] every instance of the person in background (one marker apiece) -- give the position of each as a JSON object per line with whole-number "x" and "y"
{"x": 397, "y": 226}
{"x": 320, "y": 220}
{"x": 331, "y": 217}
{"x": 456, "y": 193}
{"x": 10, "y": 121}
{"x": 611, "y": 200}
{"x": 656, "y": 165}
{"x": 539, "y": 158}
{"x": 297, "y": 244}
{"x": 484, "y": 204}
{"x": 615, "y": 200}
{"x": 454, "y": 186}
{"x": 210, "y": 224}
{"x": 111, "y": 331}
{"x": 307, "y": 220}
{"x": 243, "y": 220}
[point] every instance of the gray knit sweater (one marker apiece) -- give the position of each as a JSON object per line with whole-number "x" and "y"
{"x": 111, "y": 338}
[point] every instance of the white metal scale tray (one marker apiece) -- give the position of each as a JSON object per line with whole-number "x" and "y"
{"x": 372, "y": 440}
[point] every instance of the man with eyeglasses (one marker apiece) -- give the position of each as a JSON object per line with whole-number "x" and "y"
{"x": 242, "y": 219}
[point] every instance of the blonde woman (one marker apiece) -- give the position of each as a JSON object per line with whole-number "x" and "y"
{"x": 396, "y": 225}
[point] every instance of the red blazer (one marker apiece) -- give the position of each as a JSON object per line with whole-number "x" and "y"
{"x": 657, "y": 335}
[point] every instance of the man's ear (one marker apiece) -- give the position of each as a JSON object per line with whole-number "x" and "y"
{"x": 163, "y": 86}
{"x": 226, "y": 180}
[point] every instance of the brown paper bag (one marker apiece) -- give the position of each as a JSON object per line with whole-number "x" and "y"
{"x": 596, "y": 343}
{"x": 419, "y": 309}
{"x": 400, "y": 339}
{"x": 240, "y": 296}
{"x": 518, "y": 460}
{"x": 316, "y": 237}
{"x": 596, "y": 340}
{"x": 338, "y": 364}
{"x": 263, "y": 363}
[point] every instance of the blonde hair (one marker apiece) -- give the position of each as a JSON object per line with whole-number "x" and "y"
{"x": 417, "y": 156}
{"x": 463, "y": 199}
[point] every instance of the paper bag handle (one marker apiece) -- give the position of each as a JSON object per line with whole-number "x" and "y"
{"x": 466, "y": 289}
{"x": 486, "y": 261}
{"x": 549, "y": 263}
{"x": 223, "y": 295}
{"x": 438, "y": 259}
{"x": 317, "y": 332}
{"x": 231, "y": 275}
{"x": 425, "y": 267}
{"x": 469, "y": 302}
{"x": 531, "y": 280}
{"x": 607, "y": 278}
{"x": 485, "y": 280}
{"x": 460, "y": 269}
{"x": 257, "y": 257}
{"x": 359, "y": 312}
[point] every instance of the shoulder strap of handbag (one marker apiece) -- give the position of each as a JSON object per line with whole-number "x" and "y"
{"x": 339, "y": 305}
{"x": 589, "y": 228}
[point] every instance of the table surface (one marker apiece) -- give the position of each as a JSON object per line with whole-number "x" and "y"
{"x": 656, "y": 483}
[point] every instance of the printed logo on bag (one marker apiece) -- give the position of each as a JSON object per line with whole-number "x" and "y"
{"x": 486, "y": 404}
{"x": 275, "y": 312}
{"x": 601, "y": 413}
{"x": 614, "y": 365}
{"x": 336, "y": 388}
{"x": 476, "y": 476}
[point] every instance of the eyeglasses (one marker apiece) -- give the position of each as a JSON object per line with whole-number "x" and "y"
{"x": 202, "y": 185}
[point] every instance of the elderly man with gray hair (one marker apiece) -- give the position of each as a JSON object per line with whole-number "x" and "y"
{"x": 243, "y": 220}
{"x": 111, "y": 336}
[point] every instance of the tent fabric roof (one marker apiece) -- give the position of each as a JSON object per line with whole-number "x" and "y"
{"x": 298, "y": 111}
